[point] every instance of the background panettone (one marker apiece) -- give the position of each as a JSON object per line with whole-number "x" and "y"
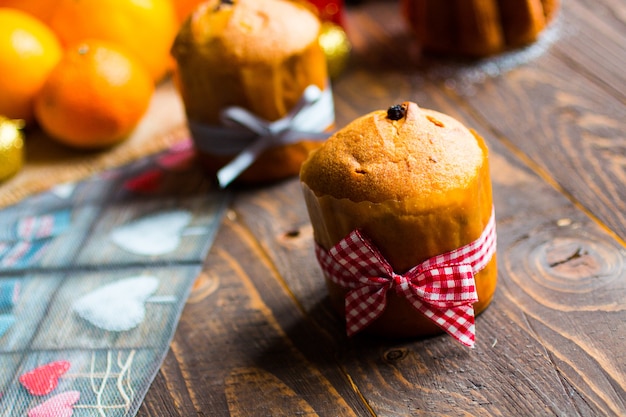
{"x": 418, "y": 187}
{"x": 477, "y": 27}
{"x": 257, "y": 54}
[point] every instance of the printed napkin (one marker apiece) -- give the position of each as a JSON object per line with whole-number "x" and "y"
{"x": 93, "y": 279}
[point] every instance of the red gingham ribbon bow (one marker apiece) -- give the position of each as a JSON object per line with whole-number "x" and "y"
{"x": 442, "y": 287}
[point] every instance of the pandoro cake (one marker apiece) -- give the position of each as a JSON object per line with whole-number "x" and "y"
{"x": 478, "y": 27}
{"x": 258, "y": 55}
{"x": 416, "y": 182}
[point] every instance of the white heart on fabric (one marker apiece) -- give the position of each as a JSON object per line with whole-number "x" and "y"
{"x": 64, "y": 191}
{"x": 119, "y": 306}
{"x": 156, "y": 234}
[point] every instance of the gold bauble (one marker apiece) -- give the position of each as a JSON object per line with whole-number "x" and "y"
{"x": 11, "y": 147}
{"x": 336, "y": 47}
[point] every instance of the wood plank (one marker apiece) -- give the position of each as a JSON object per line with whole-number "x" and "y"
{"x": 234, "y": 354}
{"x": 165, "y": 398}
{"x": 529, "y": 345}
{"x": 568, "y": 120}
{"x": 592, "y": 40}
{"x": 571, "y": 131}
{"x": 551, "y": 343}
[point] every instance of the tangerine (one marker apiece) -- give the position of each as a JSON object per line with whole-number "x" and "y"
{"x": 41, "y": 9}
{"x": 146, "y": 28}
{"x": 95, "y": 96}
{"x": 28, "y": 52}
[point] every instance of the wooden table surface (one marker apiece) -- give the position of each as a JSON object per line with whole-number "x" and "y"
{"x": 258, "y": 337}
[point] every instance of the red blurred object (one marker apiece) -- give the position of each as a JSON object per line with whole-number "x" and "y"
{"x": 330, "y": 10}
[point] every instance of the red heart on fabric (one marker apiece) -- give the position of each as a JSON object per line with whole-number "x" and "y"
{"x": 179, "y": 158}
{"x": 146, "y": 182}
{"x": 44, "y": 379}
{"x": 61, "y": 405}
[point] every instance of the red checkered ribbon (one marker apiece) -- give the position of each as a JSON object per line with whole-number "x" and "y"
{"x": 442, "y": 287}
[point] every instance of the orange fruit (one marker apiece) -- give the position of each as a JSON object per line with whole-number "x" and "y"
{"x": 41, "y": 9}
{"x": 146, "y": 28}
{"x": 95, "y": 96}
{"x": 28, "y": 52}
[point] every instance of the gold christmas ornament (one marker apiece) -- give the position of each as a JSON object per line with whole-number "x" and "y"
{"x": 11, "y": 147}
{"x": 336, "y": 47}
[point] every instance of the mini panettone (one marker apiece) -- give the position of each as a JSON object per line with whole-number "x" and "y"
{"x": 401, "y": 207}
{"x": 248, "y": 69}
{"x": 478, "y": 27}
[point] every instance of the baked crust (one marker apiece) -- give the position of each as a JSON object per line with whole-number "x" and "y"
{"x": 376, "y": 159}
{"x": 256, "y": 54}
{"x": 417, "y": 187}
{"x": 478, "y": 27}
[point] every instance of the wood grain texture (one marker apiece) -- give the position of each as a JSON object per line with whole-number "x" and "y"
{"x": 593, "y": 42}
{"x": 575, "y": 134}
{"x": 560, "y": 107}
{"x": 234, "y": 347}
{"x": 522, "y": 354}
{"x": 258, "y": 335}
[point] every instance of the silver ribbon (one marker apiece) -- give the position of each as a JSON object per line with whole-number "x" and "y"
{"x": 246, "y": 135}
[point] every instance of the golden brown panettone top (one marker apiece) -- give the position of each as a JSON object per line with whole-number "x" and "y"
{"x": 424, "y": 154}
{"x": 247, "y": 31}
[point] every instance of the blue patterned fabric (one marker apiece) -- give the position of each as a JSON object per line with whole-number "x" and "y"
{"x": 93, "y": 279}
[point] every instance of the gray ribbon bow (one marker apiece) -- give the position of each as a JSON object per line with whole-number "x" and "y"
{"x": 249, "y": 135}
